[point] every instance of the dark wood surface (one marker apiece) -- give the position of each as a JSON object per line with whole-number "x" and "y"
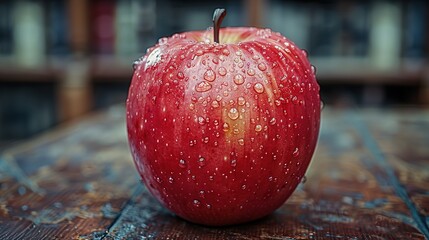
{"x": 369, "y": 179}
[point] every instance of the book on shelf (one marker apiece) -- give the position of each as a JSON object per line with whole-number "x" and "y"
{"x": 29, "y": 39}
{"x": 102, "y": 32}
{"x": 385, "y": 35}
{"x": 126, "y": 28}
{"x": 78, "y": 27}
{"x": 147, "y": 20}
{"x": 57, "y": 30}
{"x": 415, "y": 29}
{"x": 6, "y": 28}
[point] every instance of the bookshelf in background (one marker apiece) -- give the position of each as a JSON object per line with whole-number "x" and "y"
{"x": 84, "y": 49}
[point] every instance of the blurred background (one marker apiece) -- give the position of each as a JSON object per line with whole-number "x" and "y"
{"x": 60, "y": 59}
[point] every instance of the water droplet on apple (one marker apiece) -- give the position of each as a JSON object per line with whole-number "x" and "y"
{"x": 241, "y": 101}
{"x": 182, "y": 163}
{"x": 241, "y": 141}
{"x": 163, "y": 41}
{"x": 233, "y": 113}
{"x": 250, "y": 72}
{"x": 258, "y": 87}
{"x": 274, "y": 157}
{"x": 180, "y": 75}
{"x": 222, "y": 71}
{"x": 225, "y": 52}
{"x": 201, "y": 120}
{"x": 199, "y": 52}
{"x": 170, "y": 180}
{"x": 236, "y": 131}
{"x": 233, "y": 163}
{"x": 273, "y": 121}
{"x": 225, "y": 127}
{"x": 262, "y": 66}
{"x": 238, "y": 79}
{"x": 215, "y": 104}
{"x": 313, "y": 69}
{"x": 203, "y": 86}
{"x": 136, "y": 64}
{"x": 243, "y": 186}
{"x": 196, "y": 203}
{"x": 295, "y": 100}
{"x": 201, "y": 161}
{"x": 209, "y": 75}
{"x": 192, "y": 106}
{"x": 258, "y": 128}
{"x": 304, "y": 52}
{"x": 295, "y": 152}
{"x": 208, "y": 206}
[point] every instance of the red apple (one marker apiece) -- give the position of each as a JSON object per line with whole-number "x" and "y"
{"x": 222, "y": 133}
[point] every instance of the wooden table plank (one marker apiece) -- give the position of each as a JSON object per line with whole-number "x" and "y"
{"x": 401, "y": 139}
{"x": 70, "y": 182}
{"x": 80, "y": 182}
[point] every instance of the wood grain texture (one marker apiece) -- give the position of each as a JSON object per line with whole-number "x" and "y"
{"x": 368, "y": 180}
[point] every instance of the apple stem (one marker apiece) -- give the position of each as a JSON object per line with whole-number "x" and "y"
{"x": 218, "y": 16}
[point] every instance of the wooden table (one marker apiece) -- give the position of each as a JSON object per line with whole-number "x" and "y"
{"x": 369, "y": 179}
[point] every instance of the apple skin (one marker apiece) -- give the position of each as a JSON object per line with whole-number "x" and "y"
{"x": 223, "y": 133}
